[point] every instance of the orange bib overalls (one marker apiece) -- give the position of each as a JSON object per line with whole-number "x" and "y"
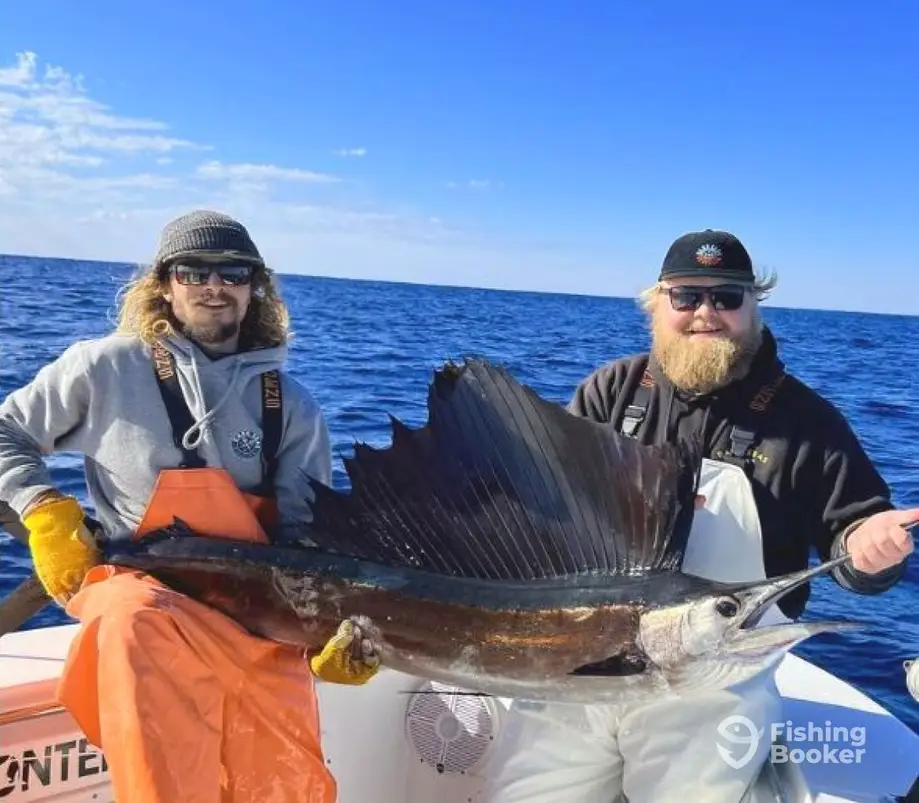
{"x": 187, "y": 705}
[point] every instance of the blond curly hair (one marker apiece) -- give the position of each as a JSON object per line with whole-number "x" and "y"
{"x": 144, "y": 311}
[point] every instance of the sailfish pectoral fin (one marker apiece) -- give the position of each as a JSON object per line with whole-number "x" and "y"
{"x": 630, "y": 663}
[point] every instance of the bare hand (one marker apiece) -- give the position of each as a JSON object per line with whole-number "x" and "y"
{"x": 882, "y": 540}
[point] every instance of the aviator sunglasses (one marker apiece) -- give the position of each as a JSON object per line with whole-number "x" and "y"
{"x": 234, "y": 275}
{"x": 723, "y": 297}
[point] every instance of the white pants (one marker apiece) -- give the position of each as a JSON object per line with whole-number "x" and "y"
{"x": 650, "y": 753}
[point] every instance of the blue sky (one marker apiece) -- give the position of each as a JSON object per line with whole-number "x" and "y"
{"x": 557, "y": 146}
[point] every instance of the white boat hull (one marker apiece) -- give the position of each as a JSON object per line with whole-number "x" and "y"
{"x": 383, "y": 742}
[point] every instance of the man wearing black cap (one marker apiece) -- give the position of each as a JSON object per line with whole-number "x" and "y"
{"x": 185, "y": 412}
{"x": 784, "y": 473}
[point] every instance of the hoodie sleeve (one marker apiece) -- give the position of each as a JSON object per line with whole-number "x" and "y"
{"x": 39, "y": 419}
{"x": 852, "y": 491}
{"x": 305, "y": 453}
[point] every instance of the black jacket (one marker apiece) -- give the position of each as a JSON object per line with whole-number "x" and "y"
{"x": 810, "y": 475}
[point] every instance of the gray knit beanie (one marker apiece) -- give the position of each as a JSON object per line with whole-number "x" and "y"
{"x": 204, "y": 231}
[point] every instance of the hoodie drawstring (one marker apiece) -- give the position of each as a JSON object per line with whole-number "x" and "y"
{"x": 195, "y": 433}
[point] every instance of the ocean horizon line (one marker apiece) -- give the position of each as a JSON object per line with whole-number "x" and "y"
{"x": 467, "y": 287}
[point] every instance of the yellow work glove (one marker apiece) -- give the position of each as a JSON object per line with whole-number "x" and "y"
{"x": 62, "y": 548}
{"x": 347, "y": 658}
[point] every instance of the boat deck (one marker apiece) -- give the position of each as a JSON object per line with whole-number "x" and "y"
{"x": 62, "y": 767}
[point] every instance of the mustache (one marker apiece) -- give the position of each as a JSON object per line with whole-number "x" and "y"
{"x": 224, "y": 298}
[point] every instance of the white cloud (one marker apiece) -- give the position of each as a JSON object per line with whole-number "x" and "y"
{"x": 22, "y": 73}
{"x": 260, "y": 173}
{"x": 474, "y": 184}
{"x": 78, "y": 179}
{"x": 58, "y": 144}
{"x": 48, "y": 117}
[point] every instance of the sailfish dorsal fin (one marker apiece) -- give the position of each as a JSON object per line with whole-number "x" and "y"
{"x": 502, "y": 484}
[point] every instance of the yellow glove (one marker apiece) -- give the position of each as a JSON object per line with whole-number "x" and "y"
{"x": 346, "y": 658}
{"x": 62, "y": 548}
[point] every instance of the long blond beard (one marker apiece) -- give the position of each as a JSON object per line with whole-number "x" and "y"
{"x": 704, "y": 364}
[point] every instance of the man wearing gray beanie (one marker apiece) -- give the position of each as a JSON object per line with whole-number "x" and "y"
{"x": 183, "y": 413}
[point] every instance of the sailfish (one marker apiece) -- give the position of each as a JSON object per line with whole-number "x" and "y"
{"x": 507, "y": 547}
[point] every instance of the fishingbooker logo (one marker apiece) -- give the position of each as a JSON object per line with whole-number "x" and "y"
{"x": 810, "y": 743}
{"x": 738, "y": 730}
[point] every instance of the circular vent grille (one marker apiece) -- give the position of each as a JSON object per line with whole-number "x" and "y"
{"x": 449, "y": 730}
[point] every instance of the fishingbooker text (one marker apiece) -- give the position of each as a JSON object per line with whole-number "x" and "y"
{"x": 808, "y": 742}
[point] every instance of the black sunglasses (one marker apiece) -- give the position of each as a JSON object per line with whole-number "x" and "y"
{"x": 723, "y": 297}
{"x": 235, "y": 275}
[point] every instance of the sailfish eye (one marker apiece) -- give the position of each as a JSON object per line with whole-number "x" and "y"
{"x": 727, "y": 607}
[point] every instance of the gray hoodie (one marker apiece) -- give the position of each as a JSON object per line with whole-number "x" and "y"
{"x": 101, "y": 398}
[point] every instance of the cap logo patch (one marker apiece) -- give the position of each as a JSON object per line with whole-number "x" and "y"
{"x": 708, "y": 255}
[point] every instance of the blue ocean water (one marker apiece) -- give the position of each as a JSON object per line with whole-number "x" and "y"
{"x": 367, "y": 349}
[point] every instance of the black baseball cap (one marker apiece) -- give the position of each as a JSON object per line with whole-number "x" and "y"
{"x": 708, "y": 253}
